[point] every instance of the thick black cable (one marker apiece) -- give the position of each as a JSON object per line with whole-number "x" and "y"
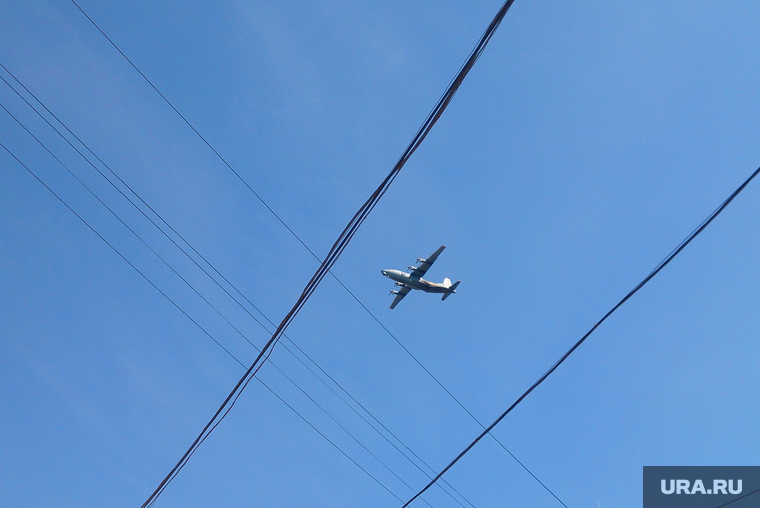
{"x": 564, "y": 357}
{"x": 225, "y": 279}
{"x": 257, "y": 195}
{"x": 200, "y": 267}
{"x": 478, "y": 50}
{"x": 442, "y": 103}
{"x": 237, "y": 330}
{"x": 337, "y": 249}
{"x": 475, "y": 418}
{"x": 333, "y": 255}
{"x": 84, "y": 221}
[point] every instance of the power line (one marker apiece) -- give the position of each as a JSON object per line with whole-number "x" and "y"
{"x": 292, "y": 232}
{"x": 335, "y": 252}
{"x": 475, "y": 418}
{"x": 201, "y": 268}
{"x": 219, "y": 156}
{"x": 84, "y": 221}
{"x": 320, "y": 433}
{"x": 739, "y": 498}
{"x": 678, "y": 249}
{"x": 215, "y": 309}
{"x": 484, "y": 40}
{"x": 218, "y": 284}
{"x": 239, "y": 332}
{"x": 338, "y": 280}
{"x": 564, "y": 357}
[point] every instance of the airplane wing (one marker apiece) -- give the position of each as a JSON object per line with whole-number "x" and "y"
{"x": 426, "y": 263}
{"x": 402, "y": 292}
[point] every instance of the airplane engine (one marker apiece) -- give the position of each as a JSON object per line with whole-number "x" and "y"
{"x": 394, "y": 292}
{"x": 411, "y": 268}
{"x": 420, "y": 260}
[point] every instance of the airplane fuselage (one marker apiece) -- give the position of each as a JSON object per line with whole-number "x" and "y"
{"x": 416, "y": 283}
{"x": 406, "y": 281}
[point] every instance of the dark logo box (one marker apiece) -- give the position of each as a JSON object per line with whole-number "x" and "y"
{"x": 701, "y": 486}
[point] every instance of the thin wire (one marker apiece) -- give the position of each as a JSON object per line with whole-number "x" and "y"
{"x": 477, "y": 52}
{"x": 384, "y": 427}
{"x": 488, "y": 33}
{"x": 738, "y": 498}
{"x": 204, "y": 330}
{"x": 502, "y": 445}
{"x": 443, "y": 102}
{"x": 194, "y": 261}
{"x": 239, "y": 332}
{"x": 238, "y": 291}
{"x": 332, "y": 257}
{"x": 344, "y": 453}
{"x": 559, "y": 362}
{"x": 194, "y": 129}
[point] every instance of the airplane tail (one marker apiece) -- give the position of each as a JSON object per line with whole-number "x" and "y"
{"x": 452, "y": 288}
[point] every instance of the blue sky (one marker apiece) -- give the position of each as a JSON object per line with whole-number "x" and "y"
{"x": 587, "y": 142}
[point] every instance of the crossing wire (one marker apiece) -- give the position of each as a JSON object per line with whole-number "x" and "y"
{"x": 293, "y": 233}
{"x": 208, "y": 274}
{"x": 681, "y": 246}
{"x": 334, "y": 254}
{"x": 237, "y": 330}
{"x": 204, "y": 330}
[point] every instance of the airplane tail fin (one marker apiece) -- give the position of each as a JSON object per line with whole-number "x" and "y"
{"x": 447, "y": 282}
{"x": 452, "y": 289}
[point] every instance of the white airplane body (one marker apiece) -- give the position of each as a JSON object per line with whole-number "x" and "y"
{"x": 407, "y": 281}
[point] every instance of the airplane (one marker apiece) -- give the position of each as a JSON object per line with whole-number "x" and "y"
{"x": 413, "y": 280}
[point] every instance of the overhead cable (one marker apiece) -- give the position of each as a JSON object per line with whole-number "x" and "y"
{"x": 237, "y": 330}
{"x": 334, "y": 254}
{"x": 575, "y": 346}
{"x": 167, "y": 297}
{"x": 191, "y": 258}
{"x": 293, "y": 233}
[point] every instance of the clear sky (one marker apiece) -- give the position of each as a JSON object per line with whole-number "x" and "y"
{"x": 588, "y": 141}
